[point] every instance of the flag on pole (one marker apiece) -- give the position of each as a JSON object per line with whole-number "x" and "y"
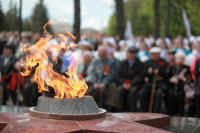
{"x": 187, "y": 24}
{"x": 128, "y": 32}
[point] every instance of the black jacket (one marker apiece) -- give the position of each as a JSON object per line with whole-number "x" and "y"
{"x": 134, "y": 73}
{"x": 161, "y": 65}
{"x": 176, "y": 70}
{"x": 8, "y": 68}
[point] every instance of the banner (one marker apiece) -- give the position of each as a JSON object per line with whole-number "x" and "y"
{"x": 128, "y": 32}
{"x": 187, "y": 24}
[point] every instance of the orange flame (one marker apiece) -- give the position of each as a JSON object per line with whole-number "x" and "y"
{"x": 44, "y": 27}
{"x": 71, "y": 35}
{"x": 72, "y": 86}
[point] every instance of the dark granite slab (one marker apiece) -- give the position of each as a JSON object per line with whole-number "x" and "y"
{"x": 177, "y": 124}
{"x": 184, "y": 125}
{"x": 114, "y": 122}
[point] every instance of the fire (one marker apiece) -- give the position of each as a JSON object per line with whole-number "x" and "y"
{"x": 72, "y": 86}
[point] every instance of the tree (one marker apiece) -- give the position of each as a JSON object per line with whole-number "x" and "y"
{"x": 112, "y": 28}
{"x": 141, "y": 13}
{"x": 11, "y": 18}
{"x": 156, "y": 18}
{"x": 120, "y": 18}
{"x": 176, "y": 18}
{"x": 1, "y": 19}
{"x": 77, "y": 19}
{"x": 171, "y": 18}
{"x": 192, "y": 8}
{"x": 20, "y": 19}
{"x": 167, "y": 20}
{"x": 26, "y": 25}
{"x": 39, "y": 18}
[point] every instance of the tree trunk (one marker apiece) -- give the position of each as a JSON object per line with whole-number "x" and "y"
{"x": 77, "y": 20}
{"x": 120, "y": 18}
{"x": 157, "y": 18}
{"x": 2, "y": 20}
{"x": 167, "y": 20}
{"x": 20, "y": 19}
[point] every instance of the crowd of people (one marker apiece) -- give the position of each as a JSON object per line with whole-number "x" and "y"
{"x": 139, "y": 75}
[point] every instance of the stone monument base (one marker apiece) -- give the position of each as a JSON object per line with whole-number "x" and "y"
{"x": 84, "y": 108}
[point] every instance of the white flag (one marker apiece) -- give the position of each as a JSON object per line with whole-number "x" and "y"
{"x": 128, "y": 32}
{"x": 187, "y": 24}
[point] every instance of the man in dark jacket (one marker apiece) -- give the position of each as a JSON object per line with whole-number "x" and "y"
{"x": 155, "y": 73}
{"x": 7, "y": 61}
{"x": 130, "y": 79}
{"x": 197, "y": 88}
{"x": 103, "y": 74}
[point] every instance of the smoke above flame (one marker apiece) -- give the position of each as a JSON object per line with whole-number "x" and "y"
{"x": 71, "y": 86}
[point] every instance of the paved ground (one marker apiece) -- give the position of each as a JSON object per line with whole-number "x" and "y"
{"x": 177, "y": 124}
{"x": 14, "y": 109}
{"x": 184, "y": 125}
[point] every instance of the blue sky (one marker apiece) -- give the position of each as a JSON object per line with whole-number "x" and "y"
{"x": 94, "y": 13}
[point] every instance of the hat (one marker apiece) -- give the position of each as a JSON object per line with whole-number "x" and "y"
{"x": 132, "y": 50}
{"x": 9, "y": 45}
{"x": 155, "y": 50}
{"x": 180, "y": 54}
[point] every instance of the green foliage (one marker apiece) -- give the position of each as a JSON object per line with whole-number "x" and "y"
{"x": 35, "y": 23}
{"x": 192, "y": 8}
{"x": 11, "y": 18}
{"x": 39, "y": 17}
{"x": 27, "y": 25}
{"x": 112, "y": 29}
{"x": 2, "y": 21}
{"x": 176, "y": 19}
{"x": 141, "y": 14}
